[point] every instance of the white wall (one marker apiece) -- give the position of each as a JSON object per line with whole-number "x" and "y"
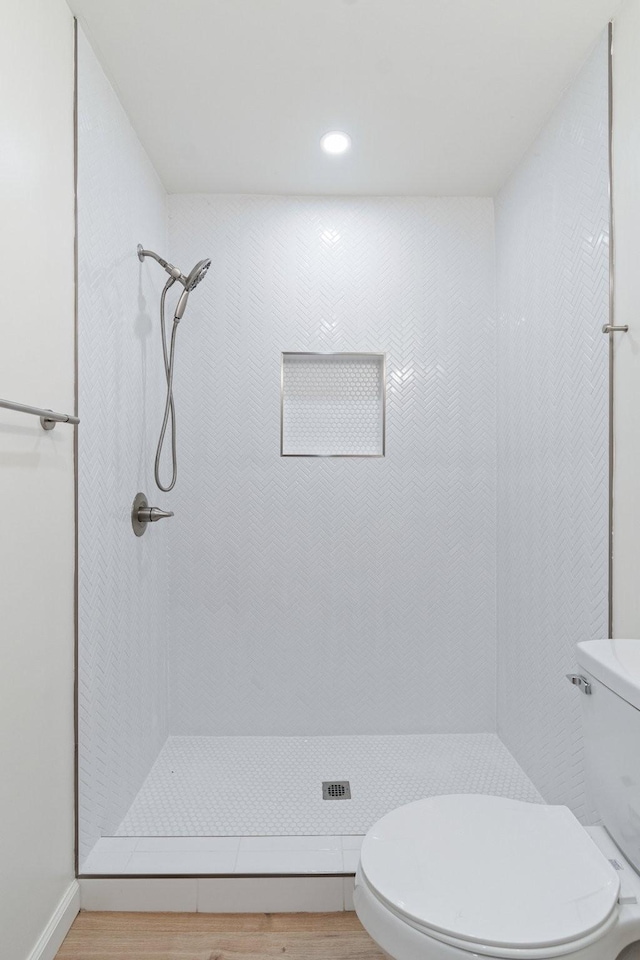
{"x": 626, "y": 199}
{"x": 122, "y": 579}
{"x": 552, "y": 254}
{"x": 323, "y": 596}
{"x": 36, "y": 469}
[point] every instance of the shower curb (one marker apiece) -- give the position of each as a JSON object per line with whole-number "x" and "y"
{"x": 290, "y": 894}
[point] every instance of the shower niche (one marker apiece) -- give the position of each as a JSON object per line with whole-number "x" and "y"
{"x": 332, "y": 405}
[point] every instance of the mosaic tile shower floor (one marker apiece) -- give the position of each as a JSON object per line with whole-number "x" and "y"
{"x": 272, "y": 786}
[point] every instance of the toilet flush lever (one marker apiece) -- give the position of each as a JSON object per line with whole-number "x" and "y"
{"x": 580, "y": 682}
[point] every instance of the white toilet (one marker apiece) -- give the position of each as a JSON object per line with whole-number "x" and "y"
{"x": 455, "y": 877}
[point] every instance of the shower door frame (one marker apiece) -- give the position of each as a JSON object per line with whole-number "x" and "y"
{"x": 611, "y": 461}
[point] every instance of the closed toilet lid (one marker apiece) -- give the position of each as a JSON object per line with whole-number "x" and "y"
{"x": 494, "y": 871}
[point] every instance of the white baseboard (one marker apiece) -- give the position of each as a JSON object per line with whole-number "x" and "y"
{"x": 219, "y": 895}
{"x": 50, "y": 940}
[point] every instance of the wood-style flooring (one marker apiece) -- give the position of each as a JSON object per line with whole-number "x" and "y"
{"x": 215, "y": 936}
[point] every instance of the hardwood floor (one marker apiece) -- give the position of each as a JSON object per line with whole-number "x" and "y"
{"x": 215, "y": 936}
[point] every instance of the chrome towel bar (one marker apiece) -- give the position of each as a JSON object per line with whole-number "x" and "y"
{"x": 48, "y": 418}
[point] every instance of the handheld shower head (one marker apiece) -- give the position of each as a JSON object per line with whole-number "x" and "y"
{"x": 194, "y": 278}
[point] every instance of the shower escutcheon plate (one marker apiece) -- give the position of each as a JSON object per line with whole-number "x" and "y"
{"x": 142, "y": 514}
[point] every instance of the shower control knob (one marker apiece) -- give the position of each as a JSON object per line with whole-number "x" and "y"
{"x": 142, "y": 514}
{"x": 151, "y": 514}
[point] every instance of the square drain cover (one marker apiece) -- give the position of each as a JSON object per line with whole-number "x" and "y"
{"x": 336, "y": 790}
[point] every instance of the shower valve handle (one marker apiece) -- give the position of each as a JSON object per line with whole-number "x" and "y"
{"x": 142, "y": 514}
{"x": 151, "y": 514}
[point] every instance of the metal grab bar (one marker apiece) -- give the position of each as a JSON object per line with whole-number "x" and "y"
{"x": 48, "y": 418}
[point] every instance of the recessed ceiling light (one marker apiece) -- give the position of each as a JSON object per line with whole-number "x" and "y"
{"x": 335, "y": 142}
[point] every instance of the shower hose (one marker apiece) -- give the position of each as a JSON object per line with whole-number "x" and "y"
{"x": 169, "y": 407}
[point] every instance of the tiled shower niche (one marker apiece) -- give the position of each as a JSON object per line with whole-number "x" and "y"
{"x": 333, "y": 405}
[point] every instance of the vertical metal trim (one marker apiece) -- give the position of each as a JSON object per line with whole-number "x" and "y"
{"x": 611, "y": 321}
{"x": 282, "y": 404}
{"x": 384, "y": 404}
{"x": 76, "y": 778}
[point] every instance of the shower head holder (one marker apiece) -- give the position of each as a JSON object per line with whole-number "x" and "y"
{"x": 189, "y": 281}
{"x": 173, "y": 272}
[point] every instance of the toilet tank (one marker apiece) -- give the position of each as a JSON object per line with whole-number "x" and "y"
{"x": 611, "y": 723}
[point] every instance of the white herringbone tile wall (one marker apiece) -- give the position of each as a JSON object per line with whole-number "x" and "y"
{"x": 122, "y": 579}
{"x": 552, "y": 254}
{"x": 329, "y": 596}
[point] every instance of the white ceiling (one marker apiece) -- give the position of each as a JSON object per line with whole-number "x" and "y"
{"x": 439, "y": 96}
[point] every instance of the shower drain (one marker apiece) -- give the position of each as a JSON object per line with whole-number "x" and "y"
{"x": 336, "y": 790}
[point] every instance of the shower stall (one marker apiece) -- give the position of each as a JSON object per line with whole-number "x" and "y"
{"x": 312, "y": 639}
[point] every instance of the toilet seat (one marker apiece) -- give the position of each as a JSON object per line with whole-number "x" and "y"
{"x": 403, "y": 938}
{"x": 491, "y": 875}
